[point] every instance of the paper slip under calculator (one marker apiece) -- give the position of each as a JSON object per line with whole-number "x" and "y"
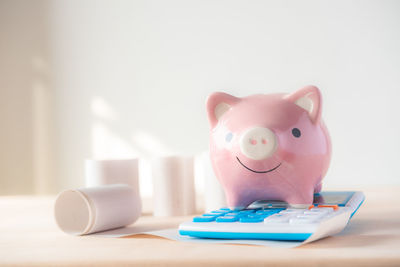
{"x": 329, "y": 214}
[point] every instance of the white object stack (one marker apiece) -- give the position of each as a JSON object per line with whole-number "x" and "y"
{"x": 214, "y": 196}
{"x": 110, "y": 200}
{"x": 173, "y": 186}
{"x": 103, "y": 172}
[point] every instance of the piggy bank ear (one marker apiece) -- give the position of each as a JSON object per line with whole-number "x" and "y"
{"x": 310, "y": 99}
{"x": 217, "y": 104}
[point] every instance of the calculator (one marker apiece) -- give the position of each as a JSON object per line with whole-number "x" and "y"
{"x": 275, "y": 220}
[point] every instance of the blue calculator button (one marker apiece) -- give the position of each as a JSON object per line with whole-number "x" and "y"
{"x": 262, "y": 212}
{"x": 225, "y": 209}
{"x": 219, "y": 211}
{"x": 268, "y": 212}
{"x": 227, "y": 219}
{"x": 234, "y": 214}
{"x": 212, "y": 214}
{"x": 255, "y": 219}
{"x": 204, "y": 219}
{"x": 266, "y": 215}
{"x": 246, "y": 211}
{"x": 278, "y": 210}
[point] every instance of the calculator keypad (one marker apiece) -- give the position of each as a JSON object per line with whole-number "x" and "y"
{"x": 278, "y": 215}
{"x": 242, "y": 216}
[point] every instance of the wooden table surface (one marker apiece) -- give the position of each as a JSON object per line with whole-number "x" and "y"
{"x": 29, "y": 236}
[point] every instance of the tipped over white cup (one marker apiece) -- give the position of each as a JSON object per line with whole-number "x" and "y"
{"x": 95, "y": 209}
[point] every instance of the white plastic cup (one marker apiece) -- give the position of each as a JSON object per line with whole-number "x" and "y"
{"x": 173, "y": 186}
{"x": 95, "y": 209}
{"x": 116, "y": 171}
{"x": 214, "y": 195}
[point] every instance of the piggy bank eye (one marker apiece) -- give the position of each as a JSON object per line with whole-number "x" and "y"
{"x": 296, "y": 132}
{"x": 228, "y": 137}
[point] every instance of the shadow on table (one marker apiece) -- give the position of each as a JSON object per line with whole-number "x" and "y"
{"x": 362, "y": 233}
{"x": 136, "y": 229}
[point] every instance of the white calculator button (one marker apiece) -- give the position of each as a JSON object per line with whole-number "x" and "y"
{"x": 301, "y": 220}
{"x": 330, "y": 215}
{"x": 278, "y": 218}
{"x": 310, "y": 216}
{"x": 311, "y": 213}
{"x": 322, "y": 210}
{"x": 292, "y": 211}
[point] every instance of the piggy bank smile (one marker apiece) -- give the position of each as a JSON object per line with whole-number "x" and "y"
{"x": 270, "y": 170}
{"x": 255, "y": 135}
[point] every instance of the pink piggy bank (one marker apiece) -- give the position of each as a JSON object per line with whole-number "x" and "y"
{"x": 269, "y": 147}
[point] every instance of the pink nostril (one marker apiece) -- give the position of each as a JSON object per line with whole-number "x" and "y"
{"x": 253, "y": 141}
{"x": 264, "y": 141}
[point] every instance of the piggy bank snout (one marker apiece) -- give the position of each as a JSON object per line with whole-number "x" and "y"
{"x": 258, "y": 143}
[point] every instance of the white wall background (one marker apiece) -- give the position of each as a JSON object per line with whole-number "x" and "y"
{"x": 26, "y": 162}
{"x": 130, "y": 78}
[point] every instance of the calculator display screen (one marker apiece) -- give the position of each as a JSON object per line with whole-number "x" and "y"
{"x": 333, "y": 198}
{"x": 323, "y": 198}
